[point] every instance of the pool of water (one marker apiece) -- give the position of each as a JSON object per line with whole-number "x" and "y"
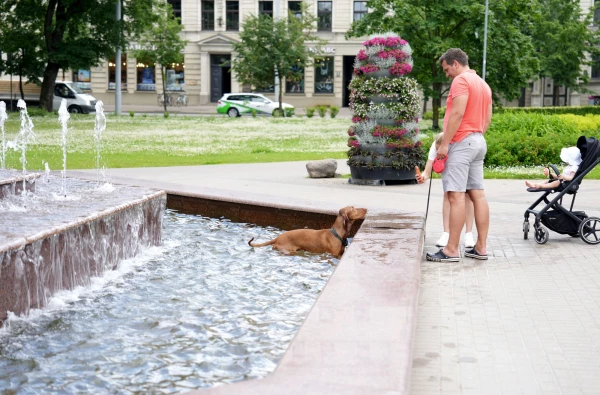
{"x": 201, "y": 310}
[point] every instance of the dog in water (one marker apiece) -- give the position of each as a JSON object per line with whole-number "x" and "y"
{"x": 331, "y": 240}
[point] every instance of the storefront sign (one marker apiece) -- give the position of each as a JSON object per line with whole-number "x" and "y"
{"x": 322, "y": 50}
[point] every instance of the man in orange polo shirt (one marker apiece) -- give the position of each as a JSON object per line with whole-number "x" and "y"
{"x": 468, "y": 116}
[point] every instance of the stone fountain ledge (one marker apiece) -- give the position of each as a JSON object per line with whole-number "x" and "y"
{"x": 50, "y": 243}
{"x": 11, "y": 182}
{"x": 357, "y": 338}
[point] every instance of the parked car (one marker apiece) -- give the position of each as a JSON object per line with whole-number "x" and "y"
{"x": 77, "y": 100}
{"x": 236, "y": 104}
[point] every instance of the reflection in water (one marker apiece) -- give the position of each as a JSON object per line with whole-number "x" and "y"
{"x": 200, "y": 310}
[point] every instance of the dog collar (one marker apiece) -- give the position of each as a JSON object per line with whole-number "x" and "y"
{"x": 344, "y": 241}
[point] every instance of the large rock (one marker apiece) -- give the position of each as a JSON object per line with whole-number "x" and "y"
{"x": 321, "y": 168}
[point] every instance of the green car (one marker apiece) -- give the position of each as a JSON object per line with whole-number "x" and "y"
{"x": 236, "y": 104}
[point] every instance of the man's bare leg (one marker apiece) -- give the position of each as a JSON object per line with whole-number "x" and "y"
{"x": 482, "y": 218}
{"x": 457, "y": 221}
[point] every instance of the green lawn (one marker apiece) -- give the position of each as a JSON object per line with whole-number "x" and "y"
{"x": 147, "y": 141}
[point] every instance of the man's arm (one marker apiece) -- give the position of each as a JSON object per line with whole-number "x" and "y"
{"x": 488, "y": 119}
{"x": 459, "y": 105}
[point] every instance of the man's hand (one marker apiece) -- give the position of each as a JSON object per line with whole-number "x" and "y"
{"x": 442, "y": 152}
{"x": 546, "y": 171}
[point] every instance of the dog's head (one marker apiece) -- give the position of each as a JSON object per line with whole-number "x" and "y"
{"x": 350, "y": 214}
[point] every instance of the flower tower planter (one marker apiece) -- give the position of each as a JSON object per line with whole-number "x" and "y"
{"x": 384, "y": 140}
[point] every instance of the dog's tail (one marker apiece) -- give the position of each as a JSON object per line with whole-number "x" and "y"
{"x": 268, "y": 243}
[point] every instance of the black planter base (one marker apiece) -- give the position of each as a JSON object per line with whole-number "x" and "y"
{"x": 378, "y": 176}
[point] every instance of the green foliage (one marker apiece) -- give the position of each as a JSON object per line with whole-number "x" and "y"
{"x": 576, "y": 110}
{"x": 322, "y": 110}
{"x": 132, "y": 113}
{"x": 253, "y": 112}
{"x": 277, "y": 113}
{"x": 166, "y": 114}
{"x": 289, "y": 112}
{"x": 434, "y": 26}
{"x": 39, "y": 112}
{"x": 310, "y": 112}
{"x": 162, "y": 42}
{"x": 429, "y": 114}
{"x": 564, "y": 42}
{"x": 267, "y": 45}
{"x": 527, "y": 139}
{"x": 333, "y": 111}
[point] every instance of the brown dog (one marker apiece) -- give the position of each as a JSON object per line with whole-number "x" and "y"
{"x": 331, "y": 240}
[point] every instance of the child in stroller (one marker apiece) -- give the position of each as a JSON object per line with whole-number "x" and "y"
{"x": 572, "y": 157}
{"x": 553, "y": 215}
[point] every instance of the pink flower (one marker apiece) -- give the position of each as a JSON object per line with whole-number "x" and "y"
{"x": 368, "y": 68}
{"x": 383, "y": 55}
{"x": 400, "y": 69}
{"x": 353, "y": 143}
{"x": 362, "y": 55}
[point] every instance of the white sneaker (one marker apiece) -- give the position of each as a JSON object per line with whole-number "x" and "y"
{"x": 443, "y": 240}
{"x": 469, "y": 241}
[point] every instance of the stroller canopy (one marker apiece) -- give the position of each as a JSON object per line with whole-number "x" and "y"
{"x": 590, "y": 150}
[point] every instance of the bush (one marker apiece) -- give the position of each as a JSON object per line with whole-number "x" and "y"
{"x": 322, "y": 110}
{"x": 310, "y": 112}
{"x": 166, "y": 114}
{"x": 253, "y": 112}
{"x": 528, "y": 139}
{"x": 333, "y": 111}
{"x": 429, "y": 114}
{"x": 131, "y": 114}
{"x": 277, "y": 113}
{"x": 575, "y": 110}
{"x": 289, "y": 112}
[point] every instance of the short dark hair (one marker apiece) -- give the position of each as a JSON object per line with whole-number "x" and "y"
{"x": 455, "y": 54}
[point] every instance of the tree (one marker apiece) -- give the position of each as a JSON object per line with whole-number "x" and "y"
{"x": 434, "y": 26}
{"x": 563, "y": 40}
{"x": 162, "y": 42}
{"x": 270, "y": 48}
{"x": 76, "y": 33}
{"x": 23, "y": 46}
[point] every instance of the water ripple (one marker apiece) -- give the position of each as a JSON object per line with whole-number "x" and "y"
{"x": 202, "y": 309}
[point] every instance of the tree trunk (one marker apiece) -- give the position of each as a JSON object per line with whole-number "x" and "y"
{"x": 47, "y": 93}
{"x": 436, "y": 103}
{"x": 555, "y": 95}
{"x": 164, "y": 86}
{"x": 21, "y": 85}
{"x": 280, "y": 87}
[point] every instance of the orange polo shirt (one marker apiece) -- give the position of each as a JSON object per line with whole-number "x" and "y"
{"x": 480, "y": 97}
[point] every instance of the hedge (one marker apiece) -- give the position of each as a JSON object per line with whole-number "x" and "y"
{"x": 528, "y": 139}
{"x": 575, "y": 110}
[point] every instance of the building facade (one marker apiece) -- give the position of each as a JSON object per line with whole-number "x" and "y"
{"x": 210, "y": 27}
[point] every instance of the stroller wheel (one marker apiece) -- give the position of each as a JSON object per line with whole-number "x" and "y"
{"x": 525, "y": 230}
{"x": 589, "y": 230}
{"x": 541, "y": 235}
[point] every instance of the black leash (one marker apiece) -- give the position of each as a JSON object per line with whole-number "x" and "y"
{"x": 427, "y": 210}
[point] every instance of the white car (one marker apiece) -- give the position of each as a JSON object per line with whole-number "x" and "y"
{"x": 236, "y": 104}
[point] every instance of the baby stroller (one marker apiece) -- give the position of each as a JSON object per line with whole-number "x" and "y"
{"x": 556, "y": 217}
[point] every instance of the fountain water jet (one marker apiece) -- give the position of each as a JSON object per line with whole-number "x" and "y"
{"x": 25, "y": 136}
{"x": 3, "y": 117}
{"x": 63, "y": 118}
{"x": 99, "y": 127}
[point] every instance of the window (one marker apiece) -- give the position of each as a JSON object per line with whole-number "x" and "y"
{"x": 360, "y": 10}
{"x": 82, "y": 79}
{"x": 295, "y": 85}
{"x": 208, "y": 15}
{"x": 232, "y": 16}
{"x": 112, "y": 73}
{"x": 175, "y": 77}
{"x": 324, "y": 75}
{"x": 265, "y": 8}
{"x": 324, "y": 16}
{"x": 176, "y": 4}
{"x": 295, "y": 8}
{"x": 596, "y": 67}
{"x": 145, "y": 75}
